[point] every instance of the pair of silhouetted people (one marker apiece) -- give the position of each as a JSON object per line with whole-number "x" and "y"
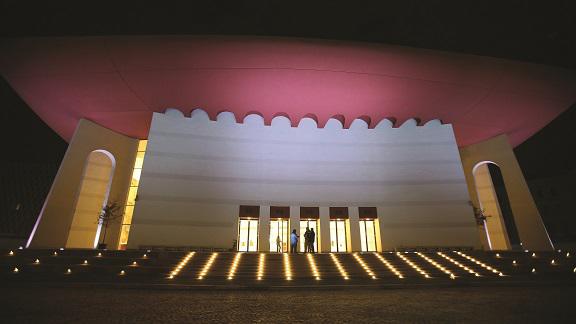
{"x": 309, "y": 239}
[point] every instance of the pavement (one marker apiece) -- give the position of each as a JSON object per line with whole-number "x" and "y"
{"x": 524, "y": 303}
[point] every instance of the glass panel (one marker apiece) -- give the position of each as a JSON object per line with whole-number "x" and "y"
{"x": 139, "y": 160}
{"x": 341, "y": 228}
{"x": 333, "y": 237}
{"x": 371, "y": 235}
{"x": 243, "y": 235}
{"x": 124, "y": 234}
{"x": 128, "y": 212}
{"x": 132, "y": 196}
{"x": 279, "y": 232}
{"x": 135, "y": 177}
{"x": 253, "y": 236}
{"x": 142, "y": 145}
{"x": 363, "y": 246}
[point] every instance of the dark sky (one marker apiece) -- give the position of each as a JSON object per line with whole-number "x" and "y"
{"x": 535, "y": 31}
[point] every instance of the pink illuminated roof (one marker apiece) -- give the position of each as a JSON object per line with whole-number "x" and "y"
{"x": 118, "y": 82}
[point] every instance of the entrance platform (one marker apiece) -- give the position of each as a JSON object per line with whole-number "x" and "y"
{"x": 237, "y": 269}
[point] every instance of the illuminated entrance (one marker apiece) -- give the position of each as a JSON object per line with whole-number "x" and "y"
{"x": 279, "y": 229}
{"x": 338, "y": 233}
{"x": 368, "y": 229}
{"x": 311, "y": 224}
{"x": 248, "y": 228}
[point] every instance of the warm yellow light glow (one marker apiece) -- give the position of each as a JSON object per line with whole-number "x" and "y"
{"x": 552, "y": 262}
{"x": 181, "y": 265}
{"x": 533, "y": 270}
{"x": 15, "y": 270}
{"x": 122, "y": 272}
{"x": 437, "y": 265}
{"x": 142, "y": 144}
{"x": 145, "y": 256}
{"x": 514, "y": 262}
{"x": 69, "y": 271}
{"x": 99, "y": 255}
{"x": 339, "y": 266}
{"x": 11, "y": 253}
{"x": 483, "y": 265}
{"x": 287, "y": 267}
{"x": 261, "y": 264}
{"x": 574, "y": 270}
{"x": 567, "y": 254}
{"x": 389, "y": 265}
{"x": 313, "y": 267}
{"x": 37, "y": 261}
{"x": 134, "y": 264}
{"x": 533, "y": 254}
{"x": 207, "y": 266}
{"x": 413, "y": 265}
{"x": 497, "y": 255}
{"x": 55, "y": 253}
{"x": 234, "y": 266}
{"x": 460, "y": 265}
{"x": 85, "y": 262}
{"x": 364, "y": 266}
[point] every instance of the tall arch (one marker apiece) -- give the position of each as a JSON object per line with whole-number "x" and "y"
{"x": 92, "y": 196}
{"x": 500, "y": 228}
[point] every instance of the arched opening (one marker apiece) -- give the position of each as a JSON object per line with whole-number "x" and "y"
{"x": 92, "y": 196}
{"x": 499, "y": 225}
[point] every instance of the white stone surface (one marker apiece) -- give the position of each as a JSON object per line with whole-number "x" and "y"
{"x": 196, "y": 175}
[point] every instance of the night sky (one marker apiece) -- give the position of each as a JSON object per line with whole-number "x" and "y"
{"x": 534, "y": 31}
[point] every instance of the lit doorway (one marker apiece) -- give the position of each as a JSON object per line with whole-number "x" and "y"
{"x": 367, "y": 235}
{"x": 279, "y": 232}
{"x": 248, "y": 235}
{"x": 338, "y": 235}
{"x": 311, "y": 224}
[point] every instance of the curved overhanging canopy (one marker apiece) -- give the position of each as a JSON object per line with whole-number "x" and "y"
{"x": 118, "y": 82}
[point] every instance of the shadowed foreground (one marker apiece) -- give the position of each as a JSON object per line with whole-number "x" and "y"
{"x": 430, "y": 304}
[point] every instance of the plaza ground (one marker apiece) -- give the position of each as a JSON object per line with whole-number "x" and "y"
{"x": 530, "y": 303}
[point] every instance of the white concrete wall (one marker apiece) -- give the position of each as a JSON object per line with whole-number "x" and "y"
{"x": 197, "y": 172}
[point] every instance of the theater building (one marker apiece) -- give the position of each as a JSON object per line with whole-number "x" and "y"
{"x": 232, "y": 143}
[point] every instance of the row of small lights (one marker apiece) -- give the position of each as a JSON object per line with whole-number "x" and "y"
{"x": 287, "y": 267}
{"x": 389, "y": 265}
{"x": 234, "y": 266}
{"x": 343, "y": 272}
{"x": 207, "y": 266}
{"x": 458, "y": 264}
{"x": 364, "y": 265}
{"x": 181, "y": 265}
{"x": 483, "y": 265}
{"x": 437, "y": 265}
{"x": 413, "y": 265}
{"x": 313, "y": 267}
{"x": 261, "y": 264}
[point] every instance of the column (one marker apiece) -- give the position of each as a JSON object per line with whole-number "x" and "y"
{"x": 324, "y": 229}
{"x": 294, "y": 222}
{"x": 264, "y": 229}
{"x": 354, "y": 237}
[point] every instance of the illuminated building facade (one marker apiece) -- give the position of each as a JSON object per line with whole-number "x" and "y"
{"x": 232, "y": 143}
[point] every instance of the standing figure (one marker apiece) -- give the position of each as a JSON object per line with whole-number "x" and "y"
{"x": 293, "y": 241}
{"x": 307, "y": 240}
{"x": 278, "y": 244}
{"x": 312, "y": 239}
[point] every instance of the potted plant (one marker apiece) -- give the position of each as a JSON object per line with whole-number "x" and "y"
{"x": 109, "y": 214}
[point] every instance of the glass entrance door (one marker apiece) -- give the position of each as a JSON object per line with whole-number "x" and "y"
{"x": 338, "y": 236}
{"x": 311, "y": 224}
{"x": 248, "y": 235}
{"x": 279, "y": 232}
{"x": 367, "y": 235}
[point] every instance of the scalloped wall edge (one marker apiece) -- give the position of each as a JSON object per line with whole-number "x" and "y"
{"x": 281, "y": 119}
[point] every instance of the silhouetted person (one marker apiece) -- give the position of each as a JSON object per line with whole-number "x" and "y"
{"x": 293, "y": 241}
{"x": 278, "y": 244}
{"x": 307, "y": 240}
{"x": 311, "y": 239}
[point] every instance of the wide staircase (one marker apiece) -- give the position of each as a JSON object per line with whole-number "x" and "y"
{"x": 234, "y": 269}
